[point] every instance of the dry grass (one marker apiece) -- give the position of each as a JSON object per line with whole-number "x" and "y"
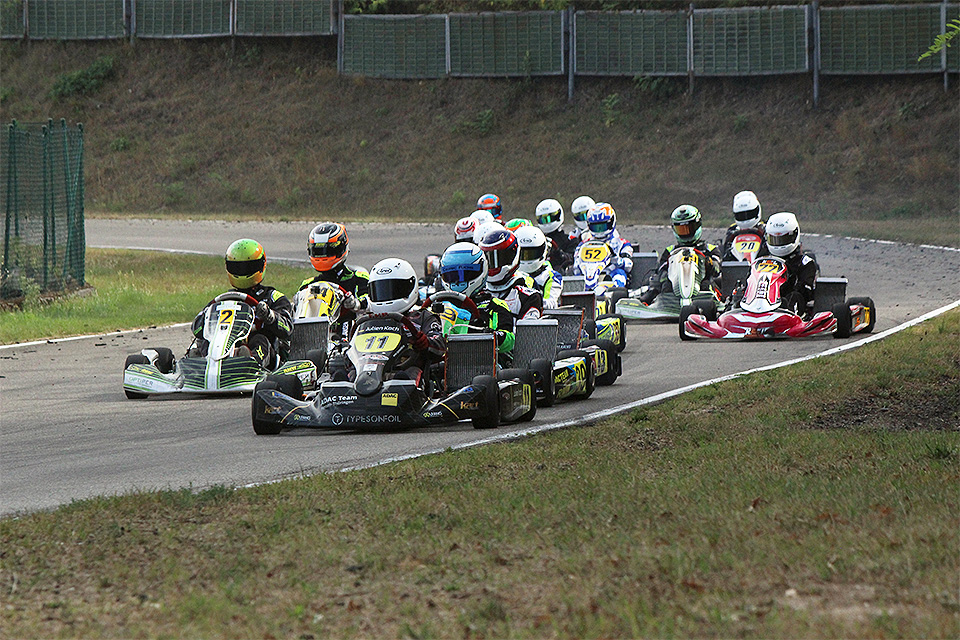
{"x": 271, "y": 130}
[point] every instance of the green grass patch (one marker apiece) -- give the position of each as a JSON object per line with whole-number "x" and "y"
{"x": 759, "y": 507}
{"x": 133, "y": 289}
{"x": 84, "y": 81}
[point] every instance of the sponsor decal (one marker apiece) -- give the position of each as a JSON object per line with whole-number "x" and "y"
{"x": 561, "y": 376}
{"x": 377, "y": 357}
{"x": 432, "y": 414}
{"x": 337, "y": 419}
{"x": 469, "y": 406}
{"x": 370, "y": 366}
{"x": 371, "y": 419}
{"x": 300, "y": 418}
{"x": 388, "y": 400}
{"x": 337, "y": 400}
{"x": 527, "y": 391}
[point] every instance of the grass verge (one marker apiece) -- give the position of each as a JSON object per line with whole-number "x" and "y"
{"x": 134, "y": 289}
{"x": 818, "y": 500}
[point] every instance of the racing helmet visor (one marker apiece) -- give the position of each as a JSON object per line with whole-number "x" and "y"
{"x": 580, "y": 216}
{"x": 784, "y": 239}
{"x": 547, "y": 218}
{"x": 749, "y": 214}
{"x": 600, "y": 226}
{"x": 528, "y": 254}
{"x": 499, "y": 258}
{"x": 686, "y": 229}
{"x": 333, "y": 249}
{"x": 389, "y": 289}
{"x": 242, "y": 268}
{"x": 459, "y": 274}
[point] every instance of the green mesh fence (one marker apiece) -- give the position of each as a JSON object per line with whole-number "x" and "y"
{"x": 751, "y": 41}
{"x": 284, "y": 17}
{"x": 183, "y": 18}
{"x": 11, "y": 19}
{"x": 41, "y": 197}
{"x": 506, "y": 44}
{"x": 395, "y": 46}
{"x": 882, "y": 39}
{"x": 953, "y": 52}
{"x": 75, "y": 19}
{"x": 631, "y": 43}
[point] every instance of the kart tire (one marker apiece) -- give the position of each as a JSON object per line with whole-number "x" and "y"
{"x": 165, "y": 359}
{"x": 261, "y": 427}
{"x": 591, "y": 374}
{"x": 613, "y": 358}
{"x": 685, "y": 313}
{"x": 868, "y": 303}
{"x": 616, "y": 294}
{"x": 841, "y": 311}
{"x": 543, "y": 368}
{"x": 708, "y": 308}
{"x": 492, "y": 397}
{"x": 288, "y": 385}
{"x": 590, "y": 327}
{"x": 319, "y": 359}
{"x": 526, "y": 377}
{"x": 136, "y": 358}
{"x": 623, "y": 330}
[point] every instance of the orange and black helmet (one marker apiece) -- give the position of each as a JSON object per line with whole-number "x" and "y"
{"x": 327, "y": 245}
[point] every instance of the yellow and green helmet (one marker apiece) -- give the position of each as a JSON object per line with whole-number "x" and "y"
{"x": 246, "y": 262}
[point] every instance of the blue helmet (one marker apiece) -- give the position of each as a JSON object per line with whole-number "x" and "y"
{"x": 463, "y": 268}
{"x": 602, "y": 221}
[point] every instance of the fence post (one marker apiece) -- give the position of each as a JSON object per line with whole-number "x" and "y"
{"x": 47, "y": 204}
{"x": 11, "y": 167}
{"x": 133, "y": 21}
{"x": 814, "y": 35}
{"x": 447, "y": 65}
{"x": 690, "y": 49}
{"x": 943, "y": 50}
{"x": 340, "y": 23}
{"x": 571, "y": 39}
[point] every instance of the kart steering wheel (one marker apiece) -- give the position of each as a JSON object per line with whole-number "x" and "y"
{"x": 397, "y": 317}
{"x": 239, "y": 296}
{"x": 456, "y": 298}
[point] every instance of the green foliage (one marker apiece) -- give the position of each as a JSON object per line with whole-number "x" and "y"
{"x": 942, "y": 40}
{"x": 5, "y": 94}
{"x": 84, "y": 81}
{"x": 609, "y": 109}
{"x": 458, "y": 199}
{"x": 120, "y": 144}
{"x": 658, "y": 86}
{"x": 481, "y": 126}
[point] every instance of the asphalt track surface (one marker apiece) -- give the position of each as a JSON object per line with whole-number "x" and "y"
{"x": 67, "y": 432}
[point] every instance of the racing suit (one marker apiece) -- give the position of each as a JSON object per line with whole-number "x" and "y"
{"x": 623, "y": 257}
{"x": 355, "y": 280}
{"x": 549, "y": 283}
{"x": 270, "y": 344}
{"x": 497, "y": 318}
{"x": 733, "y": 231}
{"x": 798, "y": 291}
{"x": 710, "y": 280}
{"x": 562, "y": 246}
{"x": 429, "y": 345}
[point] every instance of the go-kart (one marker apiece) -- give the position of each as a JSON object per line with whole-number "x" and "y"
{"x": 385, "y": 391}
{"x": 592, "y": 269}
{"x": 686, "y": 268}
{"x": 227, "y": 366}
{"x": 760, "y": 315}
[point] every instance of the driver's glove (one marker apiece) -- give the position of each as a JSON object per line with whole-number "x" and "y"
{"x": 264, "y": 313}
{"x": 420, "y": 342}
{"x": 350, "y": 302}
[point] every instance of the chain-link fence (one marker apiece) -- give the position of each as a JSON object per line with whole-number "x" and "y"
{"x": 41, "y": 197}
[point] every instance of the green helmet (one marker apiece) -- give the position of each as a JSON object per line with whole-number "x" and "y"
{"x": 516, "y": 223}
{"x": 246, "y": 263}
{"x": 686, "y": 221}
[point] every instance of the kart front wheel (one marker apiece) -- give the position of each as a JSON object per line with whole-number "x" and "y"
{"x": 262, "y": 427}
{"x": 542, "y": 368}
{"x": 871, "y": 311}
{"x": 685, "y": 313}
{"x": 612, "y": 356}
{"x": 841, "y": 311}
{"x": 525, "y": 376}
{"x": 491, "y": 395}
{"x": 136, "y": 358}
{"x": 165, "y": 359}
{"x": 287, "y": 385}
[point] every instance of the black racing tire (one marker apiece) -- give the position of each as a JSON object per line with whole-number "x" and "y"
{"x": 841, "y": 311}
{"x": 135, "y": 358}
{"x": 613, "y": 357}
{"x": 526, "y": 377}
{"x": 543, "y": 368}
{"x": 591, "y": 374}
{"x": 165, "y": 359}
{"x": 616, "y": 294}
{"x": 685, "y": 313}
{"x": 708, "y": 308}
{"x": 623, "y": 330}
{"x": 261, "y": 427}
{"x": 868, "y": 303}
{"x": 492, "y": 397}
{"x": 590, "y": 327}
{"x": 288, "y": 385}
{"x": 319, "y": 359}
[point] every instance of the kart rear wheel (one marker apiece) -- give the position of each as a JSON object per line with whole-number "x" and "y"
{"x": 136, "y": 358}
{"x": 543, "y": 368}
{"x": 613, "y": 357}
{"x": 165, "y": 359}
{"x": 526, "y": 377}
{"x": 872, "y": 310}
{"x": 841, "y": 311}
{"x": 590, "y": 327}
{"x": 262, "y": 427}
{"x": 492, "y": 401}
{"x": 685, "y": 313}
{"x": 591, "y": 374}
{"x": 319, "y": 359}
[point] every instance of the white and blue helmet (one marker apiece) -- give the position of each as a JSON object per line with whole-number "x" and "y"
{"x": 463, "y": 268}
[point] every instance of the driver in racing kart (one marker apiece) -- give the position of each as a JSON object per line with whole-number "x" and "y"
{"x": 534, "y": 263}
{"x": 602, "y": 226}
{"x": 463, "y": 269}
{"x": 393, "y": 289}
{"x": 783, "y": 241}
{"x": 269, "y": 344}
{"x": 490, "y": 202}
{"x": 562, "y": 244}
{"x": 687, "y": 230}
{"x": 504, "y": 280}
{"x": 748, "y": 216}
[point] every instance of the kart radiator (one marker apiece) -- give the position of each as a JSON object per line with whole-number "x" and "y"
{"x": 308, "y": 333}
{"x": 569, "y": 328}
{"x": 732, "y": 272}
{"x": 829, "y": 291}
{"x": 469, "y": 355}
{"x": 573, "y": 284}
{"x": 644, "y": 265}
{"x": 585, "y": 300}
{"x": 535, "y": 339}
